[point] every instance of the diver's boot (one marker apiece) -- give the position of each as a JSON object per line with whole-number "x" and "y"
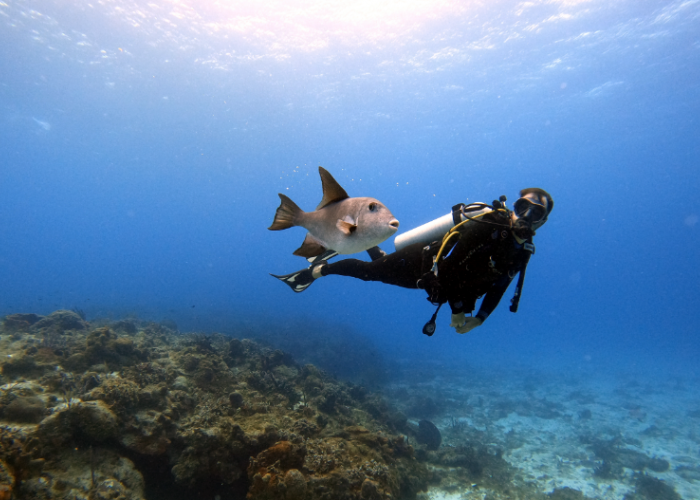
{"x": 301, "y": 280}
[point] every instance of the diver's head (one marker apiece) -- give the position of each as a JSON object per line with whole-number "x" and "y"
{"x": 531, "y": 211}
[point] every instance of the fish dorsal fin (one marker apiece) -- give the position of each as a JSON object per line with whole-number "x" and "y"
{"x": 332, "y": 191}
{"x": 347, "y": 228}
{"x": 310, "y": 248}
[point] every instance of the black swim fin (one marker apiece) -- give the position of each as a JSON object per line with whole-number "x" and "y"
{"x": 327, "y": 255}
{"x": 299, "y": 281}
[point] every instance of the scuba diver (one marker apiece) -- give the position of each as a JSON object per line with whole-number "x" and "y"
{"x": 474, "y": 251}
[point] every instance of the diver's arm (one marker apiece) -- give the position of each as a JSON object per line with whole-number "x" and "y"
{"x": 493, "y": 297}
{"x": 463, "y": 324}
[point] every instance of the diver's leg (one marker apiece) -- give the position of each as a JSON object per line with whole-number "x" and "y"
{"x": 402, "y": 268}
{"x": 399, "y": 268}
{"x": 376, "y": 253}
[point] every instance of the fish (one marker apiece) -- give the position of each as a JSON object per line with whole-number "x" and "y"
{"x": 339, "y": 223}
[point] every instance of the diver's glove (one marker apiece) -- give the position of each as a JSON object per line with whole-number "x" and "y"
{"x": 462, "y": 324}
{"x": 457, "y": 320}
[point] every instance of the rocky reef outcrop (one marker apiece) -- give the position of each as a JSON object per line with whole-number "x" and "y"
{"x": 134, "y": 410}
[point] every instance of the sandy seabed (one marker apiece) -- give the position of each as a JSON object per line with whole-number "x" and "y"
{"x": 614, "y": 438}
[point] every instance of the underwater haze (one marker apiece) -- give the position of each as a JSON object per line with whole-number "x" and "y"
{"x": 144, "y": 144}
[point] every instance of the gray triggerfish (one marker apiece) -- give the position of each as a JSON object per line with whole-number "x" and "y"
{"x": 346, "y": 225}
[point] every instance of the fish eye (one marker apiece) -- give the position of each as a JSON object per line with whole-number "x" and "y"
{"x": 372, "y": 207}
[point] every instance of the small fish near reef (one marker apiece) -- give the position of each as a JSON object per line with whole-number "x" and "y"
{"x": 340, "y": 223}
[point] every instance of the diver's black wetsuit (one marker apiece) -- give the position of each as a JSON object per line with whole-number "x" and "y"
{"x": 483, "y": 260}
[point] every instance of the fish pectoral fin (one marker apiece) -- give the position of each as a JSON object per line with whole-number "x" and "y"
{"x": 310, "y": 248}
{"x": 346, "y": 227}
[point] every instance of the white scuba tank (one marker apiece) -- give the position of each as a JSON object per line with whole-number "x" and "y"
{"x": 436, "y": 229}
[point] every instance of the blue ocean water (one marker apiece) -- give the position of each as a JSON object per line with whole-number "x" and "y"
{"x": 144, "y": 144}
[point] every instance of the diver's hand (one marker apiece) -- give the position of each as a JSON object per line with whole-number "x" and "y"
{"x": 458, "y": 320}
{"x": 468, "y": 325}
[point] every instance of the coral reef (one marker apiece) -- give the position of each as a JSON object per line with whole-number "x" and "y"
{"x": 320, "y": 344}
{"x": 134, "y": 410}
{"x": 650, "y": 488}
{"x": 615, "y": 457}
{"x": 429, "y": 435}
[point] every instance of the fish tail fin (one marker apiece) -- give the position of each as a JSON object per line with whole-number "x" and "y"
{"x": 287, "y": 214}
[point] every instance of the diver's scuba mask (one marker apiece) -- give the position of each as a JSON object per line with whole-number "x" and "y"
{"x": 530, "y": 215}
{"x": 534, "y": 213}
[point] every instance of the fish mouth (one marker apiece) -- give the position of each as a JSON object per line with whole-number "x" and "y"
{"x": 394, "y": 223}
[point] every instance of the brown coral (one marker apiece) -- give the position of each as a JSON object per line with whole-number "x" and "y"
{"x": 200, "y": 414}
{"x": 25, "y": 409}
{"x": 14, "y": 323}
{"x": 90, "y": 421}
{"x": 61, "y": 321}
{"x": 274, "y": 473}
{"x": 7, "y": 481}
